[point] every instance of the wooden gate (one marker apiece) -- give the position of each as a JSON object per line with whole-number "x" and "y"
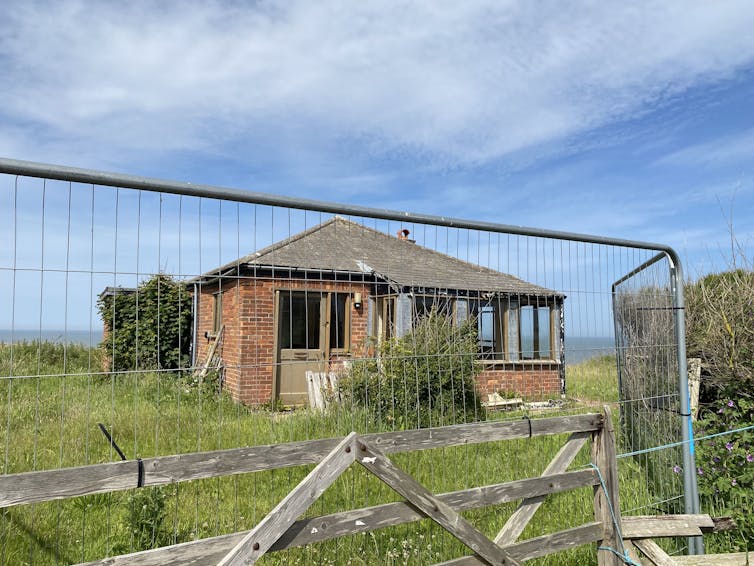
{"x": 282, "y": 529}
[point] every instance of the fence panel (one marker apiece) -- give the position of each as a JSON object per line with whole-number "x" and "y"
{"x": 184, "y": 319}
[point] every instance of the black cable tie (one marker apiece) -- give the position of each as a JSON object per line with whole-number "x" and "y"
{"x": 140, "y": 477}
{"x": 684, "y": 414}
{"x": 528, "y": 420}
{"x": 112, "y": 442}
{"x": 139, "y": 462}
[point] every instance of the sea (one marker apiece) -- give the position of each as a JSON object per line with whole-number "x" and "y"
{"x": 577, "y": 348}
{"x": 581, "y": 348}
{"x": 84, "y": 337}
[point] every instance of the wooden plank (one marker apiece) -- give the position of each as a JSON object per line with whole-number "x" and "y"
{"x": 211, "y": 550}
{"x": 606, "y": 502}
{"x": 202, "y": 373}
{"x": 327, "y": 527}
{"x": 204, "y": 552}
{"x": 431, "y": 506}
{"x": 299, "y": 499}
{"x": 732, "y": 559}
{"x": 654, "y": 526}
{"x": 634, "y": 527}
{"x": 695, "y": 377}
{"x": 314, "y": 384}
{"x": 49, "y": 485}
{"x": 333, "y": 376}
{"x": 632, "y": 551}
{"x": 541, "y": 546}
{"x": 517, "y": 522}
{"x": 654, "y": 553}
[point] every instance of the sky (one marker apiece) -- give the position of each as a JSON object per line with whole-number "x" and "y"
{"x": 631, "y": 120}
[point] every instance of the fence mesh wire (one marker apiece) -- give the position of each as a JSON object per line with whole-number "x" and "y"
{"x": 183, "y": 324}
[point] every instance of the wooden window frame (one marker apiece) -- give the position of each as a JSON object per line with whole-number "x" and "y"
{"x": 217, "y": 311}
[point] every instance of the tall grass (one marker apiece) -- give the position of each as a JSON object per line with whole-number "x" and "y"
{"x": 593, "y": 381}
{"x": 48, "y": 419}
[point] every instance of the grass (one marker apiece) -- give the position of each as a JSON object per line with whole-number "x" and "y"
{"x": 593, "y": 381}
{"x": 49, "y": 420}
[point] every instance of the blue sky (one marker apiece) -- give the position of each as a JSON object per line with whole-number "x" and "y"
{"x": 631, "y": 120}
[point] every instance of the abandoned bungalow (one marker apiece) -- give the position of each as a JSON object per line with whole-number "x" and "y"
{"x": 330, "y": 293}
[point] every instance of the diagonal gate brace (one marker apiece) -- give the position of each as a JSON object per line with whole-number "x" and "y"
{"x": 278, "y": 521}
{"x": 431, "y": 506}
{"x": 260, "y": 539}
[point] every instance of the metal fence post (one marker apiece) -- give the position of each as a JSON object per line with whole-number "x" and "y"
{"x": 691, "y": 491}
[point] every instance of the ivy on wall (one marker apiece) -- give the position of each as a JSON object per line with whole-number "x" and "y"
{"x": 148, "y": 327}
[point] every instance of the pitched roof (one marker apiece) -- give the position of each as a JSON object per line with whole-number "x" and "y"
{"x": 343, "y": 245}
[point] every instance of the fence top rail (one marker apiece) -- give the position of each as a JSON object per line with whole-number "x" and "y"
{"x": 95, "y": 177}
{"x": 49, "y": 485}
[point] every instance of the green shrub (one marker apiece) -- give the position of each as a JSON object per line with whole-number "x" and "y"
{"x": 720, "y": 331}
{"x": 425, "y": 378}
{"x": 725, "y": 467}
{"x": 149, "y": 328}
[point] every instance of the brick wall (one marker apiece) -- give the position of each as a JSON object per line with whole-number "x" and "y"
{"x": 248, "y": 348}
{"x": 528, "y": 380}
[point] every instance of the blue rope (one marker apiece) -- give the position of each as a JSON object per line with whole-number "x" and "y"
{"x": 623, "y": 556}
{"x": 682, "y": 442}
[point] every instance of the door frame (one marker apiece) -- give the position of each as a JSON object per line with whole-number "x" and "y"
{"x": 324, "y": 328}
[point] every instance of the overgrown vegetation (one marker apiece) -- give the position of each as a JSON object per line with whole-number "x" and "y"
{"x": 147, "y": 328}
{"x": 720, "y": 331}
{"x": 50, "y": 422}
{"x": 425, "y": 378}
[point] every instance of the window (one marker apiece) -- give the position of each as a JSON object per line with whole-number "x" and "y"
{"x": 217, "y": 311}
{"x": 425, "y": 304}
{"x": 314, "y": 320}
{"x": 383, "y": 326}
{"x": 339, "y": 321}
{"x": 511, "y": 331}
{"x": 535, "y": 332}
{"x": 491, "y": 327}
{"x": 299, "y": 320}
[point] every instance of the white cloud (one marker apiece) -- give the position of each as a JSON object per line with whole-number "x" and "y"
{"x": 726, "y": 150}
{"x": 449, "y": 82}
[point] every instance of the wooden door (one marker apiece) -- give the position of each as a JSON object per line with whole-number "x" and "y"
{"x": 301, "y": 343}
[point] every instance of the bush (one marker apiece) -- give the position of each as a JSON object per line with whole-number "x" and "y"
{"x": 725, "y": 467}
{"x": 150, "y": 328}
{"x": 425, "y": 378}
{"x": 720, "y": 330}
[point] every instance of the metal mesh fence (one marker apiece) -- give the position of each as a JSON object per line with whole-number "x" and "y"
{"x": 648, "y": 377}
{"x": 182, "y": 323}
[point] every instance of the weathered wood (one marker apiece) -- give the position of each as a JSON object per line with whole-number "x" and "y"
{"x": 695, "y": 377}
{"x": 431, "y": 506}
{"x": 654, "y": 526}
{"x": 49, "y": 485}
{"x": 367, "y": 519}
{"x": 202, "y": 373}
{"x": 298, "y": 500}
{"x": 606, "y": 503}
{"x": 314, "y": 384}
{"x": 211, "y": 550}
{"x": 541, "y": 546}
{"x": 653, "y": 552}
{"x": 732, "y": 559}
{"x": 724, "y": 524}
{"x": 632, "y": 551}
{"x": 517, "y": 522}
